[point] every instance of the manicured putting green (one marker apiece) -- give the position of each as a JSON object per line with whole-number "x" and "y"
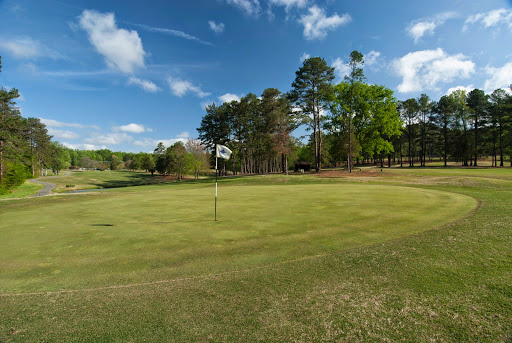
{"x": 114, "y": 238}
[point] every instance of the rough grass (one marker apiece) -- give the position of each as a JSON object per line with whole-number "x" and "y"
{"x": 26, "y": 189}
{"x": 448, "y": 284}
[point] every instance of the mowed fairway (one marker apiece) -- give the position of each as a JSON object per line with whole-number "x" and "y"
{"x": 97, "y": 240}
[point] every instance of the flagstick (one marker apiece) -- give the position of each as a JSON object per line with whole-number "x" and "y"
{"x": 216, "y": 188}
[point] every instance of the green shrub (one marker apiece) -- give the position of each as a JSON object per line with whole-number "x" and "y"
{"x": 15, "y": 175}
{"x": 3, "y": 190}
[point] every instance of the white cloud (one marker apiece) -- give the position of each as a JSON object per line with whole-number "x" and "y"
{"x": 110, "y": 138}
{"x": 371, "y": 58}
{"x": 64, "y": 134}
{"x": 27, "y": 48}
{"x": 341, "y": 69}
{"x": 490, "y": 19}
{"x": 421, "y": 27}
{"x": 217, "y": 28}
{"x": 148, "y": 86}
{"x": 250, "y": 7}
{"x": 288, "y": 4}
{"x": 171, "y": 32}
{"x": 304, "y": 57}
{"x": 205, "y": 104}
{"x": 132, "y": 127}
{"x": 427, "y": 68}
{"x": 464, "y": 88}
{"x": 316, "y": 23}
{"x": 121, "y": 48}
{"x": 149, "y": 142}
{"x": 228, "y": 97}
{"x": 55, "y": 123}
{"x": 83, "y": 146}
{"x": 184, "y": 135}
{"x": 181, "y": 87}
{"x": 499, "y": 77}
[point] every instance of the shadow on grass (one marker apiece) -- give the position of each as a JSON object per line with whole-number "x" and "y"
{"x": 133, "y": 180}
{"x": 148, "y": 180}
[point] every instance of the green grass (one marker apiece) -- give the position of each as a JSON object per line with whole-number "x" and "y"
{"x": 103, "y": 179}
{"x": 26, "y": 189}
{"x": 291, "y": 259}
{"x": 169, "y": 232}
{"x": 490, "y": 173}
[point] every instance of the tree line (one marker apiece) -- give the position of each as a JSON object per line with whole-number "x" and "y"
{"x": 26, "y": 148}
{"x": 356, "y": 122}
{"x": 460, "y": 127}
{"x": 257, "y": 130}
{"x": 351, "y": 118}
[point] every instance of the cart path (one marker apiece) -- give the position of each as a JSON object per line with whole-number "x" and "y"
{"x": 47, "y": 190}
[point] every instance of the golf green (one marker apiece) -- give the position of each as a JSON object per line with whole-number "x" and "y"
{"x": 168, "y": 231}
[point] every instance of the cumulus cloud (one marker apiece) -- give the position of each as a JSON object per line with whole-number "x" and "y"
{"x": 132, "y": 127}
{"x": 249, "y": 7}
{"x": 371, "y": 58}
{"x": 467, "y": 89}
{"x": 316, "y": 23}
{"x": 28, "y": 48}
{"x": 288, "y": 4}
{"x": 146, "y": 85}
{"x": 304, "y": 57}
{"x": 490, "y": 19}
{"x": 421, "y": 27}
{"x": 83, "y": 146}
{"x": 62, "y": 134}
{"x": 122, "y": 49}
{"x": 418, "y": 30}
{"x": 56, "y": 123}
{"x": 426, "y": 69}
{"x": 180, "y": 87}
{"x": 228, "y": 97}
{"x": 499, "y": 77}
{"x": 167, "y": 142}
{"x": 171, "y": 32}
{"x": 341, "y": 69}
{"x": 206, "y": 103}
{"x": 109, "y": 138}
{"x": 217, "y": 28}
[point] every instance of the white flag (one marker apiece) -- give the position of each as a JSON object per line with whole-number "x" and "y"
{"x": 223, "y": 151}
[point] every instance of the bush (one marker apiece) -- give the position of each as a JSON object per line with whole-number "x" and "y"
{"x": 15, "y": 175}
{"x": 3, "y": 190}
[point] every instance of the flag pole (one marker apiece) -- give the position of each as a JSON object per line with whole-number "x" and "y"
{"x": 216, "y": 185}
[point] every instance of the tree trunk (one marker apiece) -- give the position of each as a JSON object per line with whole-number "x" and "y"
{"x": 349, "y": 160}
{"x": 476, "y": 139}
{"x": 315, "y": 138}
{"x": 501, "y": 145}
{"x": 1, "y": 159}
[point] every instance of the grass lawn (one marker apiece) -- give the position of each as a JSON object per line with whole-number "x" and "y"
{"x": 294, "y": 258}
{"x": 26, "y": 189}
{"x": 102, "y": 179}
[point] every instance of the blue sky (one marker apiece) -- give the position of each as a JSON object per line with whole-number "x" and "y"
{"x": 127, "y": 74}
